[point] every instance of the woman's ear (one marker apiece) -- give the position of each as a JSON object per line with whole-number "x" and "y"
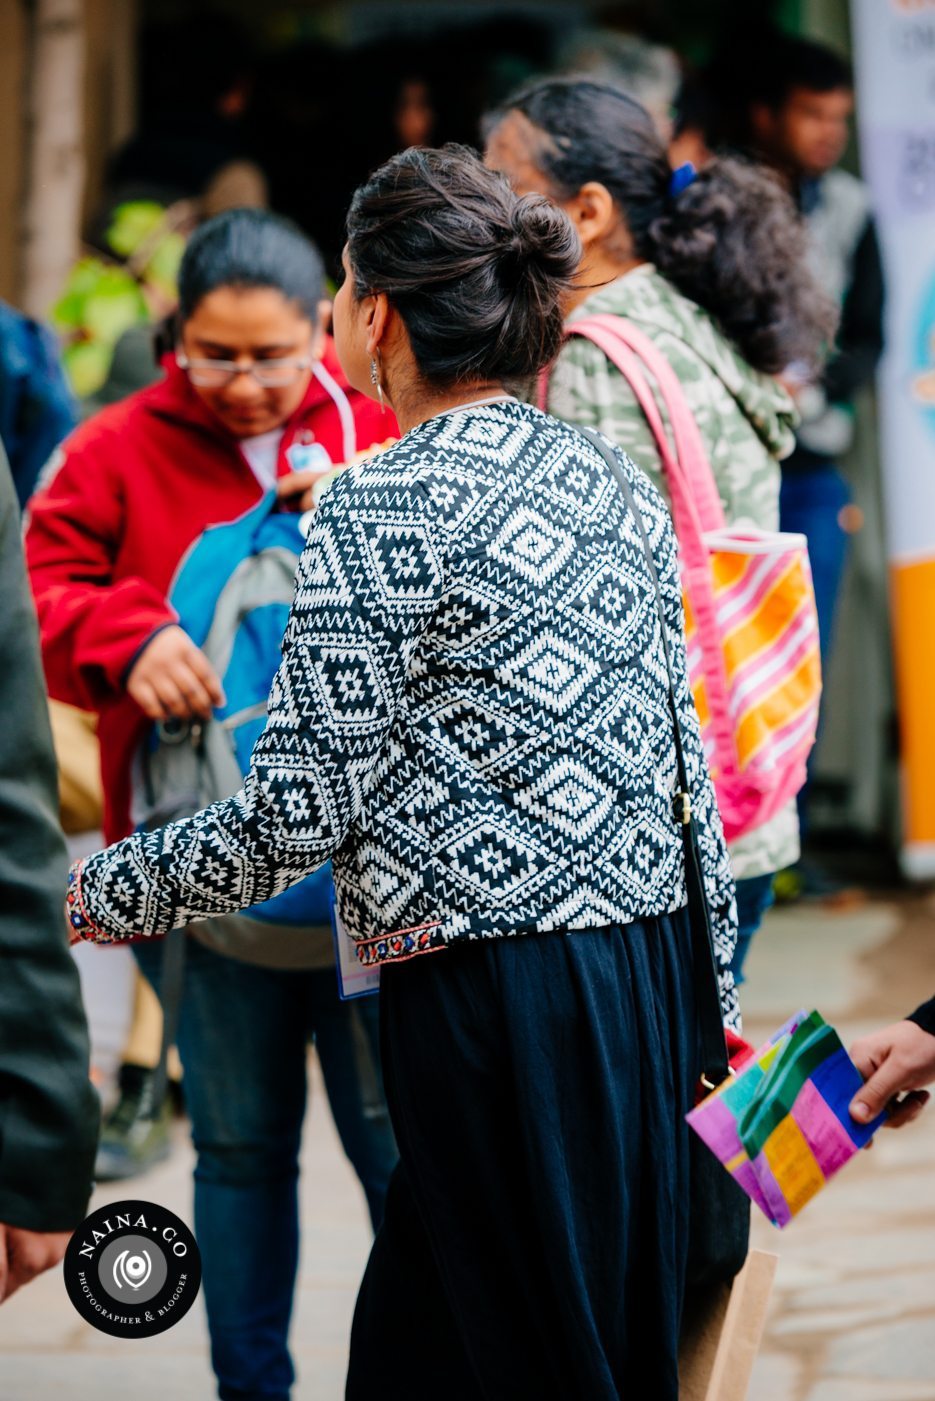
{"x": 593, "y": 212}
{"x": 376, "y": 319}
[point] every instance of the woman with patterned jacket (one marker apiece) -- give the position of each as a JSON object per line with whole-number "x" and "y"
{"x": 715, "y": 272}
{"x": 471, "y": 718}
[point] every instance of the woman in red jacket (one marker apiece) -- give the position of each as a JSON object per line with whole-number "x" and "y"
{"x": 253, "y": 398}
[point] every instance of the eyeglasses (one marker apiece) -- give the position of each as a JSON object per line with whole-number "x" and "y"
{"x": 215, "y": 374}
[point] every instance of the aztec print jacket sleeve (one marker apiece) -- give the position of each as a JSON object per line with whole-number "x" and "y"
{"x": 364, "y": 592}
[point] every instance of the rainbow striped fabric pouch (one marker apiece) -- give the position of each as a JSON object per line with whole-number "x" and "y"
{"x": 781, "y": 1125}
{"x": 751, "y": 624}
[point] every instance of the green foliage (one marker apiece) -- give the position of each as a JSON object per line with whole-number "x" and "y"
{"x": 87, "y": 363}
{"x": 162, "y": 270}
{"x": 132, "y": 224}
{"x": 102, "y": 298}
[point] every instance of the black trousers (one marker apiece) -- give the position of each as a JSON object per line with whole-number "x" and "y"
{"x": 535, "y": 1231}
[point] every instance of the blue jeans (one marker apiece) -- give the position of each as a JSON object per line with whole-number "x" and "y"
{"x": 243, "y": 1034}
{"x": 810, "y": 503}
{"x": 754, "y": 897}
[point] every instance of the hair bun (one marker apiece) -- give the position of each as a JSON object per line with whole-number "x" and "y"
{"x": 542, "y": 237}
{"x": 477, "y": 275}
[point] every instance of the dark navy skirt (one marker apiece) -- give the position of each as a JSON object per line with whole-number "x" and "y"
{"x": 535, "y": 1234}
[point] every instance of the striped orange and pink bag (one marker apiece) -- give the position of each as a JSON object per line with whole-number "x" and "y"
{"x": 750, "y": 621}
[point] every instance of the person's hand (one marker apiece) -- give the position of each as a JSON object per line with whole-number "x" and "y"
{"x": 173, "y": 677}
{"x": 25, "y": 1254}
{"x": 900, "y": 1059}
{"x": 303, "y": 490}
{"x": 295, "y": 491}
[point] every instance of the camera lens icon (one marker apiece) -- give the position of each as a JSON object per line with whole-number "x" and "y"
{"x": 132, "y": 1270}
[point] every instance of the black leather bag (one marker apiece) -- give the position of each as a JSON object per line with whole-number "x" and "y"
{"x": 719, "y": 1210}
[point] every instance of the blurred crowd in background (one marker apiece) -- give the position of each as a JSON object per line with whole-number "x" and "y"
{"x": 175, "y": 386}
{"x": 223, "y": 125}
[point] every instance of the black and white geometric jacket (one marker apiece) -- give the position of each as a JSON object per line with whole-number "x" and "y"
{"x": 470, "y": 716}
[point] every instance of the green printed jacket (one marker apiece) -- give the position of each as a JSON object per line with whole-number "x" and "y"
{"x": 746, "y": 421}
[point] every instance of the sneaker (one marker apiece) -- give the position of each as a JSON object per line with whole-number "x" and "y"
{"x": 133, "y": 1138}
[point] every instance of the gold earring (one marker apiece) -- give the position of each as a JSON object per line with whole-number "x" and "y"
{"x": 375, "y": 379}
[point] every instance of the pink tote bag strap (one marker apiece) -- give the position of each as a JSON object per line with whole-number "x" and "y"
{"x": 689, "y": 448}
{"x": 605, "y": 333}
{"x": 688, "y": 524}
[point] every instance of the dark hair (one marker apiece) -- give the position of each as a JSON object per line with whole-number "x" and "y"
{"x": 731, "y": 241}
{"x": 476, "y": 273}
{"x": 797, "y": 63}
{"x": 758, "y": 64}
{"x": 251, "y": 248}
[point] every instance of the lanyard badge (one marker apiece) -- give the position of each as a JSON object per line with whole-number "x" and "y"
{"x": 354, "y": 980}
{"x": 308, "y": 457}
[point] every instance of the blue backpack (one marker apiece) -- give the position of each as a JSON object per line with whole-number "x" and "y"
{"x": 232, "y": 592}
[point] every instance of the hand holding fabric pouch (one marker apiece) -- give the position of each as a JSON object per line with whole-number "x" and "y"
{"x": 781, "y": 1126}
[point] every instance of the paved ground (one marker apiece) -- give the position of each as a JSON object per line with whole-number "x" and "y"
{"x": 854, "y": 1309}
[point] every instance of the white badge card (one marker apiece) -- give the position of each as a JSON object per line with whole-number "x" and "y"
{"x": 354, "y": 980}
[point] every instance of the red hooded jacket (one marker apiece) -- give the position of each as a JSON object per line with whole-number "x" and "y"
{"x": 133, "y": 487}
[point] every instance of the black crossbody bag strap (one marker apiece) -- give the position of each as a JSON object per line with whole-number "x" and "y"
{"x": 716, "y": 1065}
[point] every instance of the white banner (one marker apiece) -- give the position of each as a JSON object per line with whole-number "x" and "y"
{"x": 894, "y": 42}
